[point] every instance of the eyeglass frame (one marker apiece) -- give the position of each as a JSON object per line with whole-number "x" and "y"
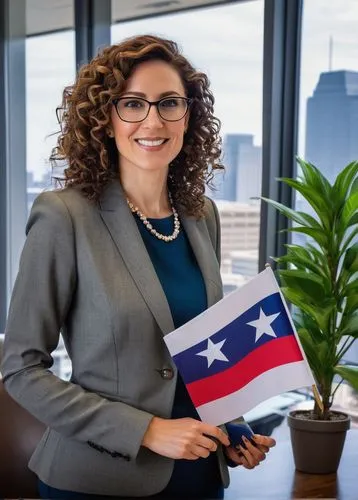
{"x": 188, "y": 101}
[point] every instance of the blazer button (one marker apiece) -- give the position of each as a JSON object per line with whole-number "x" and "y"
{"x": 167, "y": 373}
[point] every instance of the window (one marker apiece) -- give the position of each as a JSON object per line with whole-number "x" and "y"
{"x": 328, "y": 116}
{"x": 226, "y": 42}
{"x": 50, "y": 66}
{"x": 328, "y": 122}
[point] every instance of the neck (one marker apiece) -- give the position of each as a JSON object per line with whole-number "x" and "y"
{"x": 148, "y": 192}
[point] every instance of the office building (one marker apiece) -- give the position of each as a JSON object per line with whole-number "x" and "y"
{"x": 332, "y": 122}
{"x": 241, "y": 180}
{"x": 226, "y": 182}
{"x": 244, "y": 262}
{"x": 240, "y": 227}
{"x": 249, "y": 172}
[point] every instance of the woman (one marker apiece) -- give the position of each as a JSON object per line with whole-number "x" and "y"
{"x": 125, "y": 253}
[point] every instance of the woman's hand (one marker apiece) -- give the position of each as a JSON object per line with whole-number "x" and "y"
{"x": 183, "y": 438}
{"x": 253, "y": 455}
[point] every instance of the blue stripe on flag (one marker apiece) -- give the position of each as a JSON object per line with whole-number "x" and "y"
{"x": 239, "y": 340}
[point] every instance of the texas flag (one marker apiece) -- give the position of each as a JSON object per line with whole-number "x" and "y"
{"x": 240, "y": 352}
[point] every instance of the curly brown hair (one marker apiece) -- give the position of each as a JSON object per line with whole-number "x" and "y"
{"x": 91, "y": 155}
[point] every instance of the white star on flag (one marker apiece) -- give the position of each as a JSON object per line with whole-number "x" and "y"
{"x": 213, "y": 352}
{"x": 263, "y": 324}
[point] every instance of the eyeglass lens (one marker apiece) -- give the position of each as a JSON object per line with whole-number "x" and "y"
{"x": 135, "y": 109}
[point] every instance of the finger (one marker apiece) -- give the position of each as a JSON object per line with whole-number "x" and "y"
{"x": 208, "y": 443}
{"x": 215, "y": 432}
{"x": 200, "y": 451}
{"x": 264, "y": 440}
{"x": 234, "y": 455}
{"x": 253, "y": 450}
{"x": 190, "y": 456}
{"x": 251, "y": 459}
{"x": 262, "y": 448}
{"x": 245, "y": 462}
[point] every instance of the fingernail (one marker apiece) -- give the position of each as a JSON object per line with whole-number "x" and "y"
{"x": 245, "y": 439}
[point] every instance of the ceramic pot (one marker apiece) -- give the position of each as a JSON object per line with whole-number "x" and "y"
{"x": 317, "y": 445}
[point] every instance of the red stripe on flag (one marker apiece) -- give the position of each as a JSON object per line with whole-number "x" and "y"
{"x": 277, "y": 352}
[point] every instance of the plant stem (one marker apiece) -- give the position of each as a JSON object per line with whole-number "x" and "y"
{"x": 335, "y": 390}
{"x": 344, "y": 349}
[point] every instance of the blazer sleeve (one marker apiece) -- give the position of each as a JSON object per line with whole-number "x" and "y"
{"x": 40, "y": 301}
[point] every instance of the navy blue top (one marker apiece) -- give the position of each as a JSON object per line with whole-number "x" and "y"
{"x": 184, "y": 287}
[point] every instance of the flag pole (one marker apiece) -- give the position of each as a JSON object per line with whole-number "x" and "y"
{"x": 316, "y": 394}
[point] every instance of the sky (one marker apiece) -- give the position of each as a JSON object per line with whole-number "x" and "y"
{"x": 225, "y": 42}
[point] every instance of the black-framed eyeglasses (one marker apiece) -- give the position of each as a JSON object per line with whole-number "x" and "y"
{"x": 136, "y": 109}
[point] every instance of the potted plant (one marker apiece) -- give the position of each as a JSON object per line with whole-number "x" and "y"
{"x": 319, "y": 277}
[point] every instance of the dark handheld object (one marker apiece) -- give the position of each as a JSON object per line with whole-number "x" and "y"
{"x": 236, "y": 431}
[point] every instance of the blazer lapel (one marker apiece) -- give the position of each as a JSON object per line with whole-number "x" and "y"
{"x": 124, "y": 231}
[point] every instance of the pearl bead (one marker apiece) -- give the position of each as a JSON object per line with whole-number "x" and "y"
{"x": 142, "y": 217}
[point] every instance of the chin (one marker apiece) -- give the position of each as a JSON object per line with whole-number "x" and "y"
{"x": 154, "y": 165}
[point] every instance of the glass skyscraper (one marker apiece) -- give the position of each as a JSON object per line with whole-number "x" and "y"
{"x": 332, "y": 122}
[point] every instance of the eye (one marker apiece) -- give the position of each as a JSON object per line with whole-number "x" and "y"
{"x": 132, "y": 103}
{"x": 171, "y": 102}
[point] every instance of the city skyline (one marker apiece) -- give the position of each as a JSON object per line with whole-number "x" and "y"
{"x": 224, "y": 41}
{"x": 331, "y": 122}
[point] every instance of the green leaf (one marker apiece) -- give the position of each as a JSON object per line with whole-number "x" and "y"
{"x": 299, "y": 217}
{"x": 353, "y": 220}
{"x": 315, "y": 178}
{"x": 354, "y": 187}
{"x": 319, "y": 235}
{"x": 317, "y": 254}
{"x": 320, "y": 315}
{"x": 348, "y": 373}
{"x": 350, "y": 262}
{"x": 350, "y": 289}
{"x": 345, "y": 181}
{"x": 302, "y": 258}
{"x": 311, "y": 352}
{"x": 311, "y": 284}
{"x": 348, "y": 241}
{"x": 299, "y": 263}
{"x": 351, "y": 326}
{"x": 326, "y": 356}
{"x": 349, "y": 212}
{"x": 321, "y": 206}
{"x": 306, "y": 322}
{"x": 351, "y": 304}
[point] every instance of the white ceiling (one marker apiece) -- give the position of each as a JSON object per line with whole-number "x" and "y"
{"x": 53, "y": 15}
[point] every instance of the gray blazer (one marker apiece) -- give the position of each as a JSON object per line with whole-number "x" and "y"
{"x": 85, "y": 271}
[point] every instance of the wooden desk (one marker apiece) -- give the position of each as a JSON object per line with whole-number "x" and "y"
{"x": 276, "y": 478}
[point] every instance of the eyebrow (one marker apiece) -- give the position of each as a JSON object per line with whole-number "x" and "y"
{"x": 141, "y": 94}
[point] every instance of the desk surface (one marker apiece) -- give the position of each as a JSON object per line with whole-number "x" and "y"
{"x": 276, "y": 478}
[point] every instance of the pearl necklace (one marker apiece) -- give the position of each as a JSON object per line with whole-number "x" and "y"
{"x": 148, "y": 225}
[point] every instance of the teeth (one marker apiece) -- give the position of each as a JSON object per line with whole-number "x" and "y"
{"x": 143, "y": 142}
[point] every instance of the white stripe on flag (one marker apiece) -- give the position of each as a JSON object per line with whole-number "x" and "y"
{"x": 271, "y": 383}
{"x": 222, "y": 313}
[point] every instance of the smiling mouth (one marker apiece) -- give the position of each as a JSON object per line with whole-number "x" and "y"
{"x": 151, "y": 143}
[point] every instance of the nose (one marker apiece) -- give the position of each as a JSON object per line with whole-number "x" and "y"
{"x": 153, "y": 119}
